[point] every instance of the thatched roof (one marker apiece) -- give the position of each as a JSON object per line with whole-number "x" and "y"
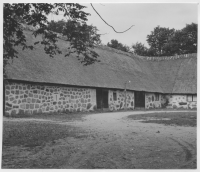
{"x": 164, "y": 75}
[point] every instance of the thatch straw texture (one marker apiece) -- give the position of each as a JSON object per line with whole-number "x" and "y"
{"x": 116, "y": 67}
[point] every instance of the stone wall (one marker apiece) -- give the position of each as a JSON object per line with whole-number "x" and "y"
{"x": 168, "y": 101}
{"x": 32, "y": 99}
{"x": 151, "y": 102}
{"x": 119, "y": 103}
{"x": 180, "y": 101}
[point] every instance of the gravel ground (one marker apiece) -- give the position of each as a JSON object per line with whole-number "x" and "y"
{"x": 105, "y": 140}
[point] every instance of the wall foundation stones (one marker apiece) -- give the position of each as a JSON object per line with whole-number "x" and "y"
{"x": 28, "y": 99}
{"x": 32, "y": 99}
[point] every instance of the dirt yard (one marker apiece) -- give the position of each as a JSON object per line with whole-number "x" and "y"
{"x": 105, "y": 140}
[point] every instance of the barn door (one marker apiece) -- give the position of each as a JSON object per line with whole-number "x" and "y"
{"x": 140, "y": 99}
{"x": 102, "y": 98}
{"x": 105, "y": 98}
{"x": 99, "y": 98}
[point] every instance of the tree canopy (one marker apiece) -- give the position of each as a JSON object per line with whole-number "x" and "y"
{"x": 158, "y": 38}
{"x": 117, "y": 45}
{"x": 81, "y": 37}
{"x": 168, "y": 42}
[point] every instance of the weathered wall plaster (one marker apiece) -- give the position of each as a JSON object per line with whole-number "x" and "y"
{"x": 168, "y": 101}
{"x": 151, "y": 102}
{"x": 32, "y": 98}
{"x": 119, "y": 103}
{"x": 180, "y": 101}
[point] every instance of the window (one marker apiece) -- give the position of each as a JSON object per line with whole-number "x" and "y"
{"x": 189, "y": 98}
{"x": 156, "y": 97}
{"x": 114, "y": 96}
{"x": 192, "y": 98}
{"x": 56, "y": 97}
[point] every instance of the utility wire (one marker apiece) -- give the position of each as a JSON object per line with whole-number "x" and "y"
{"x": 107, "y": 23}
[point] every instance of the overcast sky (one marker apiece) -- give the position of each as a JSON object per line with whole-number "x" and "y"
{"x": 145, "y": 17}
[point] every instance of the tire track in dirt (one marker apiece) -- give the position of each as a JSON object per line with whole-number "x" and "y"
{"x": 188, "y": 153}
{"x": 119, "y": 147}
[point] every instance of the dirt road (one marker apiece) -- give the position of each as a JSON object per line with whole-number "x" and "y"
{"x": 111, "y": 140}
{"x": 116, "y": 142}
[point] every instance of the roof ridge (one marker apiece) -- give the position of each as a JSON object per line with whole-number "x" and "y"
{"x": 162, "y": 58}
{"x": 104, "y": 47}
{"x": 153, "y": 58}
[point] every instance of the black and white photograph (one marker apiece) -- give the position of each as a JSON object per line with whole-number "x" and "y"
{"x": 99, "y": 85}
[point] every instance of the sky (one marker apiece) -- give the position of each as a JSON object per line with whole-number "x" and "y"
{"x": 144, "y": 16}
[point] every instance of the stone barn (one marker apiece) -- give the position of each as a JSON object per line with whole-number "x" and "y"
{"x": 37, "y": 83}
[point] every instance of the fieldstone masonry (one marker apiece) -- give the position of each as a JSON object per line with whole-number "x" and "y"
{"x": 180, "y": 101}
{"x": 151, "y": 102}
{"x": 21, "y": 98}
{"x": 169, "y": 101}
{"x": 32, "y": 99}
{"x": 119, "y": 103}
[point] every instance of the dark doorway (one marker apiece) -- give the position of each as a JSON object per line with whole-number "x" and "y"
{"x": 102, "y": 98}
{"x": 139, "y": 99}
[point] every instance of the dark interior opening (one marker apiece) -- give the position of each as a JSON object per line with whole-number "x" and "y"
{"x": 102, "y": 98}
{"x": 140, "y": 99}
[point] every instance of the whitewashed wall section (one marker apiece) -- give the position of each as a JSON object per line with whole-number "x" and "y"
{"x": 180, "y": 101}
{"x": 119, "y": 102}
{"x": 152, "y": 101}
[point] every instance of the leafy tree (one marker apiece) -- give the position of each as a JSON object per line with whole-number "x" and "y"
{"x": 140, "y": 49}
{"x": 169, "y": 42}
{"x": 32, "y": 14}
{"x": 57, "y": 26}
{"x": 81, "y": 36}
{"x": 115, "y": 44}
{"x": 158, "y": 38}
{"x": 183, "y": 41}
{"x": 189, "y": 38}
{"x": 173, "y": 46}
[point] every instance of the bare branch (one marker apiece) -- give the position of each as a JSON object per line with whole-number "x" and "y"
{"x": 101, "y": 4}
{"x": 107, "y": 23}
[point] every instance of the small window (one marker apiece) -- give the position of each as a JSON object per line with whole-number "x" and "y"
{"x": 194, "y": 98}
{"x": 156, "y": 97}
{"x": 191, "y": 98}
{"x": 56, "y": 97}
{"x": 114, "y": 96}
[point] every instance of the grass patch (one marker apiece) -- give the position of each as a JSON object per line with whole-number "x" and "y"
{"x": 168, "y": 118}
{"x": 54, "y": 116}
{"x": 31, "y": 133}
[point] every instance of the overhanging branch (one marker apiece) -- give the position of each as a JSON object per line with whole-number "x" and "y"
{"x": 108, "y": 24}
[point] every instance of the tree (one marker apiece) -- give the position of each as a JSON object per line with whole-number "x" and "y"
{"x": 115, "y": 44}
{"x": 158, "y": 38}
{"x": 183, "y": 41}
{"x": 140, "y": 49}
{"x": 169, "y": 42}
{"x": 32, "y": 14}
{"x": 57, "y": 26}
{"x": 82, "y": 37}
{"x": 173, "y": 46}
{"x": 189, "y": 38}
